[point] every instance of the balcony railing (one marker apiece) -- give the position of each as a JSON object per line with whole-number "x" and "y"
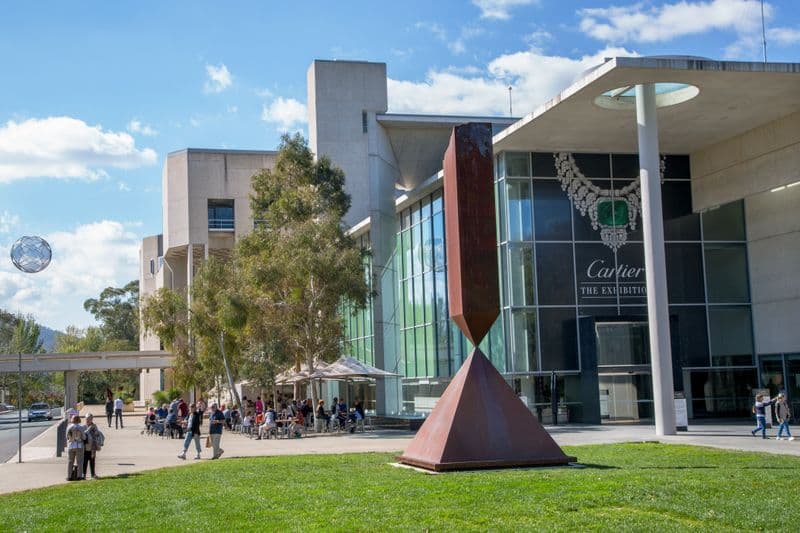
{"x": 220, "y": 224}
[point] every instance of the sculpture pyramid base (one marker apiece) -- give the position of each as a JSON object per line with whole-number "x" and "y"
{"x": 480, "y": 423}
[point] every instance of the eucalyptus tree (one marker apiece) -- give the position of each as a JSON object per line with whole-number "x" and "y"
{"x": 299, "y": 264}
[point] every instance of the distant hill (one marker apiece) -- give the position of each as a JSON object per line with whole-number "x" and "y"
{"x": 48, "y": 337}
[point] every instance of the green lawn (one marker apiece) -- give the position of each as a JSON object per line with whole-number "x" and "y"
{"x": 651, "y": 487}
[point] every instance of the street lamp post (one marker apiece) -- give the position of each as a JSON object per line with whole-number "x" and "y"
{"x": 29, "y": 255}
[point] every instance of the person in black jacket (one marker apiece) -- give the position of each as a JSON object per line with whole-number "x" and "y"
{"x": 192, "y": 432}
{"x": 109, "y": 409}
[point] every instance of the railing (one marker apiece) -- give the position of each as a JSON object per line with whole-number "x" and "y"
{"x": 220, "y": 224}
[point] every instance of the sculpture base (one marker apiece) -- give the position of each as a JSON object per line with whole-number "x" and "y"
{"x": 480, "y": 423}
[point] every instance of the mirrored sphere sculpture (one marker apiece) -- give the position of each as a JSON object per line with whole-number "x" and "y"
{"x": 31, "y": 254}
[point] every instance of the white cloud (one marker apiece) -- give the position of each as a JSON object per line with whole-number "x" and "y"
{"x": 639, "y": 23}
{"x": 784, "y": 36}
{"x": 500, "y": 9}
{"x": 65, "y": 147}
{"x": 457, "y": 45}
{"x": 123, "y": 186}
{"x": 535, "y": 77}
{"x": 136, "y": 126}
{"x": 8, "y": 221}
{"x": 85, "y": 261}
{"x": 286, "y": 113}
{"x": 219, "y": 78}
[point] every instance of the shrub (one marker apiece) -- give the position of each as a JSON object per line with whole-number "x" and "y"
{"x": 174, "y": 393}
{"x": 160, "y": 397}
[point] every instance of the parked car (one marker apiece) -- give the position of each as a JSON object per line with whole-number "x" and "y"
{"x": 7, "y": 407}
{"x": 39, "y": 411}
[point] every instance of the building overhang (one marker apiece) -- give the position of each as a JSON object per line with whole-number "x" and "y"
{"x": 733, "y": 97}
{"x": 418, "y": 141}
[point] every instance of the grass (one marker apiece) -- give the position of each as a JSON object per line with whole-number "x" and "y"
{"x": 644, "y": 487}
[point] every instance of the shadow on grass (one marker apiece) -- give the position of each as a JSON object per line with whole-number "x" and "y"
{"x": 598, "y": 467}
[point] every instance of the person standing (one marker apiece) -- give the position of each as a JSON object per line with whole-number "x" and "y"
{"x": 784, "y": 412}
{"x": 760, "y": 410}
{"x": 118, "y": 405}
{"x": 216, "y": 421}
{"x": 201, "y": 408}
{"x": 75, "y": 435}
{"x": 93, "y": 444}
{"x": 109, "y": 409}
{"x": 192, "y": 432}
{"x": 259, "y": 406}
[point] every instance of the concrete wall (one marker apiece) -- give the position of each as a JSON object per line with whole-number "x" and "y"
{"x": 773, "y": 241}
{"x": 339, "y": 92}
{"x": 748, "y": 167}
{"x": 754, "y": 162}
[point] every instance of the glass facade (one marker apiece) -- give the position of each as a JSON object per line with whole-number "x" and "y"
{"x": 573, "y": 294}
{"x": 358, "y": 331}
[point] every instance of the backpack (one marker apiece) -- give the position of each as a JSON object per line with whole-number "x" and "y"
{"x": 99, "y": 440}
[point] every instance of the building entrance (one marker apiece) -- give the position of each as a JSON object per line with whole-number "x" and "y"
{"x": 623, "y": 367}
{"x": 781, "y": 373}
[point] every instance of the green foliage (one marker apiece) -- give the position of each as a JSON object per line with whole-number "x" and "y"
{"x": 160, "y": 397}
{"x": 117, "y": 311}
{"x": 623, "y": 487}
{"x": 21, "y": 334}
{"x": 165, "y": 313}
{"x": 299, "y": 264}
{"x": 174, "y": 393}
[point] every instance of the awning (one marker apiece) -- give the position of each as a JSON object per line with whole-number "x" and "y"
{"x": 348, "y": 367}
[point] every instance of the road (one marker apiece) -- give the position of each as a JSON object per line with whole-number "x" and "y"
{"x": 8, "y": 432}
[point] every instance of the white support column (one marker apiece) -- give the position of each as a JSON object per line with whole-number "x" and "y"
{"x": 70, "y": 388}
{"x": 654, "y": 261}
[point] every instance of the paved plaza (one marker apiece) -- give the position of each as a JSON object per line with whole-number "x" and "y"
{"x": 127, "y": 451}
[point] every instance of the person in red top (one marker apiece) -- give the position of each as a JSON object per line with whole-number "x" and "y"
{"x": 259, "y": 406}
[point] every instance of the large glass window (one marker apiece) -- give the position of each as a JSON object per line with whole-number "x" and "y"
{"x": 523, "y": 326}
{"x": 554, "y": 273}
{"x": 551, "y": 211}
{"x": 518, "y": 164}
{"x": 689, "y": 334}
{"x": 559, "y": 338}
{"x": 726, "y": 272}
{"x": 520, "y": 223}
{"x": 725, "y": 223}
{"x": 685, "y": 273}
{"x": 731, "y": 335}
{"x": 522, "y": 282}
{"x": 721, "y": 392}
{"x": 680, "y": 224}
{"x": 622, "y": 343}
{"x": 220, "y": 214}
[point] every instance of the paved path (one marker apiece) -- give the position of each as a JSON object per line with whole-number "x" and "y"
{"x": 127, "y": 450}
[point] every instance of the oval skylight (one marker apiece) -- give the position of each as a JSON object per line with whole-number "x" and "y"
{"x": 667, "y": 94}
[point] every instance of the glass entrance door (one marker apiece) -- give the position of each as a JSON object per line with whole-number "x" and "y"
{"x": 623, "y": 366}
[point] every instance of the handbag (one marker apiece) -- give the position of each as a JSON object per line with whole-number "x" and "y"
{"x": 208, "y": 441}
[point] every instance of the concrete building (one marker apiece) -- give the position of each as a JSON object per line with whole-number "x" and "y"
{"x": 205, "y": 205}
{"x": 641, "y": 252}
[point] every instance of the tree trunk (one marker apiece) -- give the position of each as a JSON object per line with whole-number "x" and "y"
{"x": 231, "y": 384}
{"x": 314, "y": 395}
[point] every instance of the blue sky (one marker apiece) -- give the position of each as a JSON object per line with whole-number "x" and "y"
{"x": 94, "y": 94}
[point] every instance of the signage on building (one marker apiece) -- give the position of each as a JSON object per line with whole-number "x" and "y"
{"x": 603, "y": 279}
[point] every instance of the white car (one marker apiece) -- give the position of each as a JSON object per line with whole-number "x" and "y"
{"x": 39, "y": 411}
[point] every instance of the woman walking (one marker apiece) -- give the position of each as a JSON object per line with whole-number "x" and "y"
{"x": 192, "y": 432}
{"x": 93, "y": 444}
{"x": 784, "y": 412}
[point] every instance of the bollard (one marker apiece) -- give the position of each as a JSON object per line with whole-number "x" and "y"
{"x": 61, "y": 437}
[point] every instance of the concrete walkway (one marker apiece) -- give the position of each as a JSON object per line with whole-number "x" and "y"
{"x": 127, "y": 451}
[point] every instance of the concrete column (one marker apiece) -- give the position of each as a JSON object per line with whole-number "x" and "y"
{"x": 654, "y": 261}
{"x": 70, "y": 388}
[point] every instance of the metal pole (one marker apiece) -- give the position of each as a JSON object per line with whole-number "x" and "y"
{"x": 19, "y": 409}
{"x": 554, "y": 397}
{"x": 654, "y": 260}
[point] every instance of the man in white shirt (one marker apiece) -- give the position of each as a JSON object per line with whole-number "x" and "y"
{"x": 75, "y": 435}
{"x": 118, "y": 404}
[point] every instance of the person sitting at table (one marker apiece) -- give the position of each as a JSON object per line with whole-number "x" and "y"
{"x": 298, "y": 425}
{"x": 247, "y": 423}
{"x": 321, "y": 418}
{"x": 173, "y": 424}
{"x": 268, "y": 425}
{"x": 236, "y": 418}
{"x": 226, "y": 412}
{"x": 161, "y": 412}
{"x": 341, "y": 413}
{"x": 359, "y": 407}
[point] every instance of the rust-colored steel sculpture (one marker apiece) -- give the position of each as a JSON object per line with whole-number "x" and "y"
{"x": 478, "y": 422}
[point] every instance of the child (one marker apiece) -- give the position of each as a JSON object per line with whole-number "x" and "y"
{"x": 760, "y": 410}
